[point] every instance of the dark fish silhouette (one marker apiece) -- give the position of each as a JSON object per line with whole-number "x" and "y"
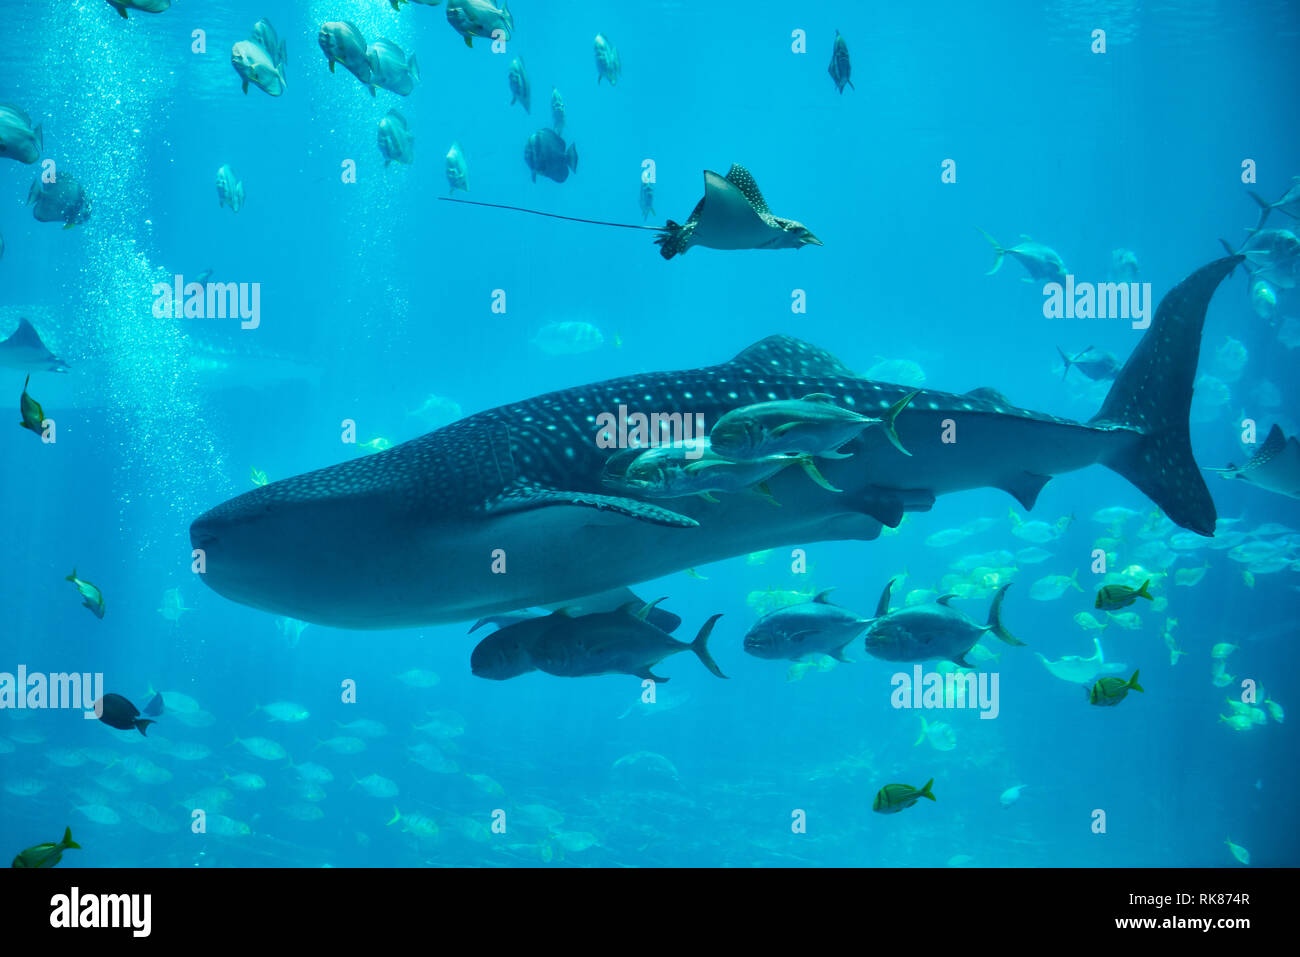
{"x": 116, "y": 712}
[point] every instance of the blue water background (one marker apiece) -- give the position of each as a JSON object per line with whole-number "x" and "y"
{"x": 387, "y": 292}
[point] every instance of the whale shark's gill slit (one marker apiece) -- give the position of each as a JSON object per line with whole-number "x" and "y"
{"x": 504, "y": 475}
{"x": 538, "y": 212}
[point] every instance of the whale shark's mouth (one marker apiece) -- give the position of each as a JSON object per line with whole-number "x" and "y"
{"x": 202, "y": 536}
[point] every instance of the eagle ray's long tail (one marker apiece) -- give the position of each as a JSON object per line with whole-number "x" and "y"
{"x": 538, "y": 212}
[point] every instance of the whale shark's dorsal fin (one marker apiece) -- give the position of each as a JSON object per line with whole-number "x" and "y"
{"x": 988, "y": 394}
{"x": 786, "y": 355}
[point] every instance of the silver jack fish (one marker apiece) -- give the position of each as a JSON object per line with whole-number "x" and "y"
{"x": 1093, "y": 363}
{"x": 926, "y": 632}
{"x": 812, "y": 628}
{"x": 1043, "y": 263}
{"x": 692, "y": 469}
{"x": 619, "y": 642}
{"x": 1289, "y": 203}
{"x": 812, "y": 425}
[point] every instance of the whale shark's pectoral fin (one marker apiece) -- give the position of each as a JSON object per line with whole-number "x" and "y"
{"x": 528, "y": 498}
{"x": 1024, "y": 488}
{"x": 502, "y": 621}
{"x": 884, "y": 508}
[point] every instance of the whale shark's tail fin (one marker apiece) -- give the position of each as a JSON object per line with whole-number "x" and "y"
{"x": 1152, "y": 396}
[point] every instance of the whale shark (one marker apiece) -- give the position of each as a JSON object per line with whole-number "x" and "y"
{"x": 505, "y": 509}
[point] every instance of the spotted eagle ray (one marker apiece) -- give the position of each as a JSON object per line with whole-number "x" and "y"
{"x": 1275, "y": 466}
{"x": 25, "y": 350}
{"x": 732, "y": 215}
{"x": 505, "y": 509}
